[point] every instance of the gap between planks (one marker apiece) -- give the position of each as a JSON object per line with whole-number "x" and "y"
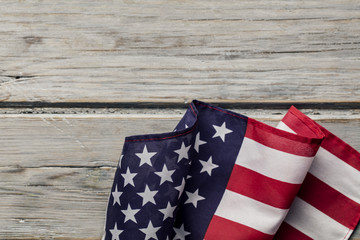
{"x": 268, "y": 115}
{"x": 242, "y": 104}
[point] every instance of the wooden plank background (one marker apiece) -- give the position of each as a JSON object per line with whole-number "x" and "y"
{"x": 111, "y": 51}
{"x": 78, "y": 76}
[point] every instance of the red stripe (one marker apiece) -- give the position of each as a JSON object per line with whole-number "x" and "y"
{"x": 331, "y": 142}
{"x": 223, "y": 229}
{"x": 330, "y": 201}
{"x": 287, "y": 232}
{"x": 301, "y": 124}
{"x": 341, "y": 149}
{"x": 282, "y": 140}
{"x": 262, "y": 188}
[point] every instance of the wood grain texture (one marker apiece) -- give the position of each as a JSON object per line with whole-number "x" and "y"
{"x": 56, "y": 170}
{"x": 57, "y": 165}
{"x": 95, "y": 140}
{"x": 174, "y": 51}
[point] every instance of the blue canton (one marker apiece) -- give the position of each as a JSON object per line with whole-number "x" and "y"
{"x": 167, "y": 186}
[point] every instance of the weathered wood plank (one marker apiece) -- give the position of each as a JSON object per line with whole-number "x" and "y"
{"x": 94, "y": 140}
{"x": 56, "y": 169}
{"x": 53, "y": 203}
{"x": 176, "y": 51}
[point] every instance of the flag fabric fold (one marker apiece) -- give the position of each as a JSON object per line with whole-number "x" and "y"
{"x": 222, "y": 175}
{"x": 328, "y": 203}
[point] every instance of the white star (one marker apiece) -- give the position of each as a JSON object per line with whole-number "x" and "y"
{"x": 130, "y": 214}
{"x": 221, "y": 131}
{"x": 181, "y": 187}
{"x": 165, "y": 175}
{"x": 150, "y": 231}
{"x": 148, "y": 196}
{"x": 168, "y": 211}
{"x": 116, "y": 195}
{"x": 115, "y": 232}
{"x": 208, "y": 166}
{"x": 183, "y": 152}
{"x": 198, "y": 142}
{"x": 193, "y": 197}
{"x": 145, "y": 156}
{"x": 128, "y": 177}
{"x": 186, "y": 126}
{"x": 180, "y": 233}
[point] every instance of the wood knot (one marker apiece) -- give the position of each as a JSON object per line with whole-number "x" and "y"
{"x": 32, "y": 40}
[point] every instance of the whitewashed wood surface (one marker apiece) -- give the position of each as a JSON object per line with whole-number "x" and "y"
{"x": 57, "y": 164}
{"x": 173, "y": 51}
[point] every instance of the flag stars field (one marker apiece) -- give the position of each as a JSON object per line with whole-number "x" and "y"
{"x": 198, "y": 142}
{"x": 181, "y": 187}
{"x": 221, "y": 131}
{"x": 208, "y": 166}
{"x": 130, "y": 214}
{"x": 168, "y": 211}
{"x": 180, "y": 233}
{"x": 115, "y": 232}
{"x": 145, "y": 156}
{"x": 128, "y": 177}
{"x": 165, "y": 174}
{"x": 150, "y": 231}
{"x": 157, "y": 199}
{"x": 193, "y": 197}
{"x": 183, "y": 152}
{"x": 116, "y": 196}
{"x": 148, "y": 196}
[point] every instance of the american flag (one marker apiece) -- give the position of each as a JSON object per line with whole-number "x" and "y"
{"x": 222, "y": 175}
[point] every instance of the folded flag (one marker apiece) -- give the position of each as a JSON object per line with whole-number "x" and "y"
{"x": 222, "y": 175}
{"x": 328, "y": 203}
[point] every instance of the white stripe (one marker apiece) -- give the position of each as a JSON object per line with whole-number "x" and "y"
{"x": 273, "y": 163}
{"x": 348, "y": 234}
{"x": 249, "y": 212}
{"x": 314, "y": 223}
{"x": 285, "y": 127}
{"x": 336, "y": 173}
